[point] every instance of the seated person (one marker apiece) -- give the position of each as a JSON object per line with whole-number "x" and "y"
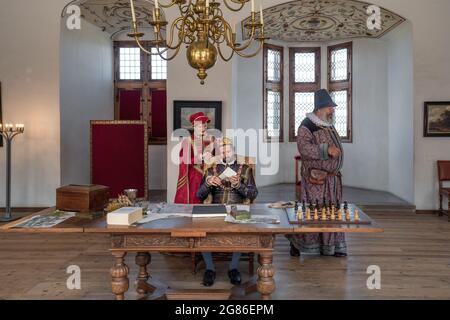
{"x": 239, "y": 188}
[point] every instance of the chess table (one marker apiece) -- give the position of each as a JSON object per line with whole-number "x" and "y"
{"x": 192, "y": 235}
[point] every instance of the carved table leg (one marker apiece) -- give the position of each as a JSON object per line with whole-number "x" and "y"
{"x": 119, "y": 275}
{"x": 143, "y": 259}
{"x": 265, "y": 283}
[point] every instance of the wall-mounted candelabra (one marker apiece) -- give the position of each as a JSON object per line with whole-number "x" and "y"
{"x": 9, "y": 131}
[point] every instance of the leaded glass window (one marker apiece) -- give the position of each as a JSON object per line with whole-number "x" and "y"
{"x": 273, "y": 93}
{"x": 339, "y": 64}
{"x": 273, "y": 114}
{"x": 273, "y": 65}
{"x": 304, "y": 80}
{"x": 130, "y": 63}
{"x": 305, "y": 67}
{"x": 340, "y": 87}
{"x": 341, "y": 111}
{"x": 304, "y": 103}
{"x": 158, "y": 65}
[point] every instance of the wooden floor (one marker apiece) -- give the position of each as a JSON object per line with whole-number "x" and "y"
{"x": 413, "y": 254}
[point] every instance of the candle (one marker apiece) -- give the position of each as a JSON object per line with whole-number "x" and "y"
{"x": 207, "y": 3}
{"x": 133, "y": 13}
{"x": 156, "y": 4}
{"x": 253, "y": 5}
{"x": 261, "y": 12}
{"x": 154, "y": 15}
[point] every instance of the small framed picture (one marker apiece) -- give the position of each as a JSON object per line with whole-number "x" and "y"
{"x": 436, "y": 119}
{"x": 184, "y": 109}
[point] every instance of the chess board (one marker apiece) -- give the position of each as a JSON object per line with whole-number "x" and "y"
{"x": 364, "y": 219}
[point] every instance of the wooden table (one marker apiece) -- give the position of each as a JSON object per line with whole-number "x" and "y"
{"x": 190, "y": 235}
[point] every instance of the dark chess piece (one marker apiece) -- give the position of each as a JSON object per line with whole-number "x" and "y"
{"x": 317, "y": 204}
{"x": 330, "y": 204}
{"x": 338, "y": 205}
{"x": 303, "y": 206}
{"x": 345, "y": 205}
{"x": 296, "y": 206}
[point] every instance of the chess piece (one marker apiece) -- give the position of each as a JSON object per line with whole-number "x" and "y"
{"x": 356, "y": 216}
{"x": 324, "y": 214}
{"x": 300, "y": 215}
{"x": 296, "y": 206}
{"x": 345, "y": 205}
{"x": 308, "y": 214}
{"x": 303, "y": 206}
{"x": 333, "y": 216}
{"x": 316, "y": 214}
{"x": 347, "y": 214}
{"x": 340, "y": 215}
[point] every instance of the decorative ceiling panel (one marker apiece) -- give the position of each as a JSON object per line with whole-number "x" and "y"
{"x": 322, "y": 20}
{"x": 114, "y": 16}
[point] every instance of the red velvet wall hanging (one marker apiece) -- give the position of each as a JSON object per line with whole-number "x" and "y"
{"x": 130, "y": 104}
{"x": 119, "y": 155}
{"x": 159, "y": 116}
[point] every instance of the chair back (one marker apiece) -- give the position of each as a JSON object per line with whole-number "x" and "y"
{"x": 443, "y": 171}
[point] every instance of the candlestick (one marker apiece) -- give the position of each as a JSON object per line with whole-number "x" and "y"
{"x": 8, "y": 131}
{"x": 133, "y": 13}
{"x": 261, "y": 12}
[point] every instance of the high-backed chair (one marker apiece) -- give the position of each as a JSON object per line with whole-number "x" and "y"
{"x": 444, "y": 176}
{"x": 250, "y": 257}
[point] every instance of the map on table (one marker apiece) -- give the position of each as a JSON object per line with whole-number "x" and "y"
{"x": 45, "y": 221}
{"x": 363, "y": 219}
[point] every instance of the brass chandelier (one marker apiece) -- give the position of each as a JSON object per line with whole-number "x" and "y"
{"x": 202, "y": 28}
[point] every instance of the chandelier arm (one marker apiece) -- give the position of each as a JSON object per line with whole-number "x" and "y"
{"x": 169, "y": 43}
{"x": 229, "y": 37}
{"x": 222, "y": 56}
{"x": 253, "y": 54}
{"x": 171, "y": 57}
{"x": 234, "y": 9}
{"x": 172, "y": 2}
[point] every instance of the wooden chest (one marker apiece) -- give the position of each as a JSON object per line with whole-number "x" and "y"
{"x": 82, "y": 198}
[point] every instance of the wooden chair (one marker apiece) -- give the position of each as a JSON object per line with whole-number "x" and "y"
{"x": 444, "y": 176}
{"x": 218, "y": 256}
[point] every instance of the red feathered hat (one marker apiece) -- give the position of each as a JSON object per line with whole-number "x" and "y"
{"x": 199, "y": 116}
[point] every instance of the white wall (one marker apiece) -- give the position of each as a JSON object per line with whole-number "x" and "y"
{"x": 29, "y": 71}
{"x": 87, "y": 93}
{"x": 401, "y": 115}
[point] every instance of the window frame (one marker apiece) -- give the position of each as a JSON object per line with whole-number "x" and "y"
{"x": 347, "y": 84}
{"x": 146, "y": 84}
{"x": 273, "y": 86}
{"x": 301, "y": 86}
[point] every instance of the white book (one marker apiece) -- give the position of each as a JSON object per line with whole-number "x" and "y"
{"x": 125, "y": 216}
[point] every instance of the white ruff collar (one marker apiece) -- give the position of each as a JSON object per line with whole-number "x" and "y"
{"x": 317, "y": 121}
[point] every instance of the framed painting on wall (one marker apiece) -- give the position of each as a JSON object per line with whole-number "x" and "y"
{"x": 436, "y": 119}
{"x": 184, "y": 109}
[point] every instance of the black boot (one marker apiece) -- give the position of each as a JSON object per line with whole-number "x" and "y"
{"x": 294, "y": 251}
{"x": 235, "y": 276}
{"x": 208, "y": 278}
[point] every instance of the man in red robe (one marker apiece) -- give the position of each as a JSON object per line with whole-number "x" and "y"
{"x": 195, "y": 150}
